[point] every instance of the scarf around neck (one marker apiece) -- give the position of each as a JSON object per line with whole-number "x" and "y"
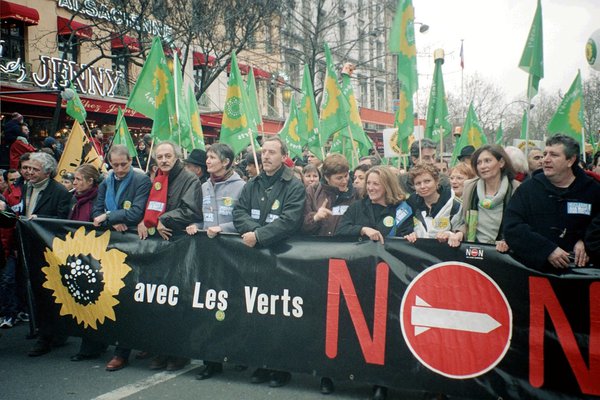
{"x": 157, "y": 200}
{"x": 112, "y": 200}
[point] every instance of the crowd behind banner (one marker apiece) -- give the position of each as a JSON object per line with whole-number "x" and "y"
{"x": 546, "y": 200}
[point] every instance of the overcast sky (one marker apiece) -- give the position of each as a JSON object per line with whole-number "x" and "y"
{"x": 494, "y": 33}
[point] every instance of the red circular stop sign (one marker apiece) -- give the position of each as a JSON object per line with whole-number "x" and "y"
{"x": 455, "y": 320}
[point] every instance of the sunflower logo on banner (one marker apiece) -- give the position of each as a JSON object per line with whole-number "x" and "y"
{"x": 85, "y": 277}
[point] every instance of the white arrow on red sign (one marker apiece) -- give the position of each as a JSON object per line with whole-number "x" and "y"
{"x": 425, "y": 317}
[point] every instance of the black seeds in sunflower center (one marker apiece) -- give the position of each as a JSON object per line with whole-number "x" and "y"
{"x": 82, "y": 277}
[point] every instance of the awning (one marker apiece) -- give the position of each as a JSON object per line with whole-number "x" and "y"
{"x": 8, "y": 10}
{"x": 261, "y": 74}
{"x": 125, "y": 42}
{"x": 200, "y": 59}
{"x": 370, "y": 116}
{"x": 245, "y": 70}
{"x": 64, "y": 26}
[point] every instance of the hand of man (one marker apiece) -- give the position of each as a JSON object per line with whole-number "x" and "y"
{"x": 372, "y": 234}
{"x": 249, "y": 239}
{"x": 142, "y": 231}
{"x": 120, "y": 227}
{"x": 455, "y": 238}
{"x": 99, "y": 219}
{"x": 191, "y": 229}
{"x": 411, "y": 237}
{"x": 559, "y": 258}
{"x": 581, "y": 257}
{"x": 2, "y": 206}
{"x": 501, "y": 246}
{"x": 163, "y": 231}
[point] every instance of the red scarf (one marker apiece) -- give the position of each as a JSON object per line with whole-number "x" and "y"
{"x": 157, "y": 201}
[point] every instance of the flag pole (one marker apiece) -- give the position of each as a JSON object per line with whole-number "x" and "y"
{"x": 149, "y": 156}
{"x": 583, "y": 145}
{"x": 527, "y": 125}
{"x": 253, "y": 150}
{"x": 176, "y": 96}
{"x": 354, "y": 151}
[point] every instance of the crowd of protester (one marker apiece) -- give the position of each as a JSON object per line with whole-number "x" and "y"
{"x": 548, "y": 201}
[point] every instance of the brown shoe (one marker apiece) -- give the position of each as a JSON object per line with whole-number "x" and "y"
{"x": 177, "y": 363}
{"x": 116, "y": 363}
{"x": 159, "y": 362}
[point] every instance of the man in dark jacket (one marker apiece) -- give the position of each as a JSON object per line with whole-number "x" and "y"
{"x": 547, "y": 217}
{"x": 122, "y": 196}
{"x": 270, "y": 209}
{"x": 45, "y": 197}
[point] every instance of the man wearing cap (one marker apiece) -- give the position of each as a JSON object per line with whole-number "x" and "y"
{"x": 196, "y": 164}
{"x": 270, "y": 209}
{"x": 251, "y": 165}
{"x": 466, "y": 153}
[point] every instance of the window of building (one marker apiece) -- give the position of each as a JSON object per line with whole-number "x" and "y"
{"x": 68, "y": 46}
{"x": 294, "y": 75}
{"x": 380, "y": 96}
{"x": 120, "y": 63}
{"x": 13, "y": 35}
{"x": 364, "y": 95}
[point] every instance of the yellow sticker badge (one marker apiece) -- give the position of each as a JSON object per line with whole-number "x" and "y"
{"x": 157, "y": 186}
{"x": 275, "y": 205}
{"x": 388, "y": 221}
{"x": 227, "y": 201}
{"x": 126, "y": 205}
{"x": 442, "y": 223}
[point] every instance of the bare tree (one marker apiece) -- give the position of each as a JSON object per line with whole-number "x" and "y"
{"x": 591, "y": 100}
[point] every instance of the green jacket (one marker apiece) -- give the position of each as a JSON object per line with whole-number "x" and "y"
{"x": 272, "y": 213}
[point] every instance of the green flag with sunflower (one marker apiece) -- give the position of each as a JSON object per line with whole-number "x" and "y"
{"x": 472, "y": 134}
{"x": 237, "y": 124}
{"x": 334, "y": 106}
{"x": 289, "y": 132}
{"x": 253, "y": 104}
{"x": 532, "y": 59}
{"x": 437, "y": 110}
{"x": 404, "y": 120}
{"x": 402, "y": 43}
{"x": 122, "y": 135}
{"x": 355, "y": 130}
{"x": 75, "y": 108}
{"x": 568, "y": 118}
{"x": 308, "y": 119}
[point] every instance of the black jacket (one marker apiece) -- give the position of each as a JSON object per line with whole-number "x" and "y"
{"x": 273, "y": 213}
{"x": 184, "y": 199}
{"x": 130, "y": 210}
{"x": 363, "y": 213}
{"x": 54, "y": 201}
{"x": 541, "y": 217}
{"x": 592, "y": 241}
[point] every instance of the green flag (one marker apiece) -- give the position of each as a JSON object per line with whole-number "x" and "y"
{"x": 499, "y": 135}
{"x": 334, "y": 106}
{"x": 165, "y": 124}
{"x": 75, "y": 108}
{"x": 568, "y": 119}
{"x": 195, "y": 123}
{"x": 524, "y": 125}
{"x": 355, "y": 130}
{"x": 532, "y": 59}
{"x": 437, "y": 110}
{"x": 237, "y": 124}
{"x": 181, "y": 130}
{"x": 472, "y": 134}
{"x": 122, "y": 135}
{"x": 289, "y": 132}
{"x": 308, "y": 119}
{"x": 402, "y": 42}
{"x": 253, "y": 105}
{"x": 404, "y": 120}
{"x": 143, "y": 97}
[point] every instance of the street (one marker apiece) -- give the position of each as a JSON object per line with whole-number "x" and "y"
{"x": 54, "y": 376}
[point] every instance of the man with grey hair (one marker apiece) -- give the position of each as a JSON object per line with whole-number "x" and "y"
{"x": 425, "y": 155}
{"x": 45, "y": 197}
{"x": 175, "y": 200}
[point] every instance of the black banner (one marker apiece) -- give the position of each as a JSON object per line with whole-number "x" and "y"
{"x": 468, "y": 321}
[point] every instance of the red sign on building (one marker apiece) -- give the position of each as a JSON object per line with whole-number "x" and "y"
{"x": 455, "y": 320}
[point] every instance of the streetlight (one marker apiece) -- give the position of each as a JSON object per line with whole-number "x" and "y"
{"x": 424, "y": 27}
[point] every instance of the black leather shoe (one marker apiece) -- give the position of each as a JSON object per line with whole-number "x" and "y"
{"x": 40, "y": 348}
{"x": 81, "y": 357}
{"x": 379, "y": 393}
{"x": 208, "y": 370}
{"x": 260, "y": 375}
{"x": 327, "y": 386}
{"x": 279, "y": 378}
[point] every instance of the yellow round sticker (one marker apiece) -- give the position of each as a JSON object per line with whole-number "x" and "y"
{"x": 442, "y": 223}
{"x": 275, "y": 205}
{"x": 127, "y": 205}
{"x": 388, "y": 221}
{"x": 220, "y": 315}
{"x": 157, "y": 186}
{"x": 486, "y": 203}
{"x": 227, "y": 201}
{"x": 151, "y": 231}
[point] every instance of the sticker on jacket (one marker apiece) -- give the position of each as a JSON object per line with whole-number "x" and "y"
{"x": 271, "y": 218}
{"x": 156, "y": 206}
{"x": 579, "y": 208}
{"x": 255, "y": 214}
{"x": 339, "y": 210}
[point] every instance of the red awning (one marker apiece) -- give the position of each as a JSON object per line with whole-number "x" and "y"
{"x": 64, "y": 26}
{"x": 261, "y": 74}
{"x": 125, "y": 42}
{"x": 200, "y": 59}
{"x": 244, "y": 68}
{"x": 370, "y": 116}
{"x": 8, "y": 10}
